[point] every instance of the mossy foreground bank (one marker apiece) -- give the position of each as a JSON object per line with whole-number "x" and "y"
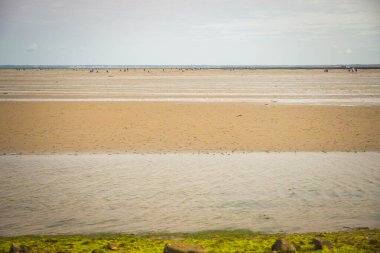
{"x": 212, "y": 241}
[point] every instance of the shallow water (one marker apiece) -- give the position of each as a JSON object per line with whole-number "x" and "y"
{"x": 269, "y": 192}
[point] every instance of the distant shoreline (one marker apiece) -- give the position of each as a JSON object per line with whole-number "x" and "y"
{"x": 205, "y": 67}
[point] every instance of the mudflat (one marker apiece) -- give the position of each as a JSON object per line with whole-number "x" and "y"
{"x": 144, "y": 127}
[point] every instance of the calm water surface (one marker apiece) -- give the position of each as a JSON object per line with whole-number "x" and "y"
{"x": 270, "y": 192}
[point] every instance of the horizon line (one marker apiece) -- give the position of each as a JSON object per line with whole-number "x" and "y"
{"x": 218, "y": 66}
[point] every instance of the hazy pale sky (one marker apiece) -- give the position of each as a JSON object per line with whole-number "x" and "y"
{"x": 189, "y": 32}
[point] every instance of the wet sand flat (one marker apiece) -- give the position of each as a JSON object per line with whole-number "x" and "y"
{"x": 253, "y": 85}
{"x": 69, "y": 127}
{"x": 153, "y": 110}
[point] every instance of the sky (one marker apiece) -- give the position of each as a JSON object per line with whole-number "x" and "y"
{"x": 187, "y": 32}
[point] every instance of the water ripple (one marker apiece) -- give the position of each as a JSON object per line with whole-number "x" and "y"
{"x": 270, "y": 192}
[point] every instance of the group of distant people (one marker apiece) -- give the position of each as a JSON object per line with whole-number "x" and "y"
{"x": 107, "y": 71}
{"x": 351, "y": 70}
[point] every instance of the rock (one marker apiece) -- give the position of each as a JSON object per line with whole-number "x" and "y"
{"x": 283, "y": 246}
{"x": 361, "y": 228}
{"x": 17, "y": 248}
{"x": 183, "y": 248}
{"x": 320, "y": 244}
{"x": 51, "y": 240}
{"x": 70, "y": 245}
{"x": 111, "y": 246}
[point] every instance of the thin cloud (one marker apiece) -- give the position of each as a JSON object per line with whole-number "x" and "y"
{"x": 274, "y": 23}
{"x": 32, "y": 47}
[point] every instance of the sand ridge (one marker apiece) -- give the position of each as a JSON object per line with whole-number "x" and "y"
{"x": 70, "y": 127}
{"x": 270, "y": 84}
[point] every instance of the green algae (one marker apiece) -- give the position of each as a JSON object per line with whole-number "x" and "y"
{"x": 213, "y": 241}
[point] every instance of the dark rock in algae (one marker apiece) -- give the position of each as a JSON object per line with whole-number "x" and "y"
{"x": 320, "y": 244}
{"x": 111, "y": 246}
{"x": 17, "y": 248}
{"x": 183, "y": 248}
{"x": 283, "y": 246}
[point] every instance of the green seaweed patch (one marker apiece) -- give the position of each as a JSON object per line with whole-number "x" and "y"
{"x": 213, "y": 241}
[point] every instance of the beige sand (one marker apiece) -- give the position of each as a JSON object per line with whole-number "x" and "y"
{"x": 205, "y": 83}
{"x": 67, "y": 127}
